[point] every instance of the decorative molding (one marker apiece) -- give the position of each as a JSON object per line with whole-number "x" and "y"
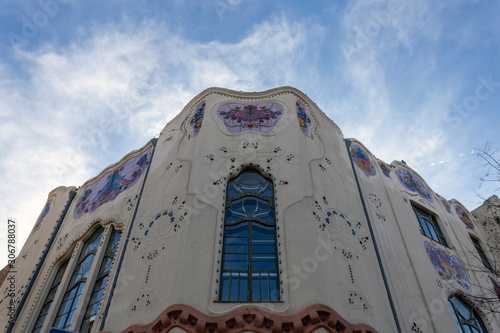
{"x": 249, "y": 318}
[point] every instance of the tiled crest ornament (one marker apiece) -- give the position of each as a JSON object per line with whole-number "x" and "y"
{"x": 197, "y": 120}
{"x": 412, "y": 183}
{"x": 45, "y": 212}
{"x": 304, "y": 120}
{"x": 360, "y": 158}
{"x": 260, "y": 117}
{"x": 448, "y": 267}
{"x": 446, "y": 205}
{"x": 464, "y": 217}
{"x": 109, "y": 186}
{"x": 385, "y": 170}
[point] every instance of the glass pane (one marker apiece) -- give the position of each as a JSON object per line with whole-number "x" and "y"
{"x": 263, "y": 245}
{"x": 256, "y": 287}
{"x": 266, "y": 215}
{"x": 234, "y": 292}
{"x": 264, "y": 287}
{"x": 113, "y": 242}
{"x": 236, "y": 248}
{"x": 92, "y": 243}
{"x": 106, "y": 265}
{"x": 249, "y": 205}
{"x": 235, "y": 262}
{"x": 273, "y": 287}
{"x": 240, "y": 230}
{"x": 259, "y": 230}
{"x": 263, "y": 262}
{"x": 233, "y": 215}
{"x": 243, "y": 286}
{"x": 224, "y": 294}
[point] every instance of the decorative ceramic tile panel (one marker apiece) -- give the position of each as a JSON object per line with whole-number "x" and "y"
{"x": 385, "y": 170}
{"x": 414, "y": 184}
{"x": 446, "y": 205}
{"x": 197, "y": 120}
{"x": 44, "y": 213}
{"x": 360, "y": 158}
{"x": 109, "y": 186}
{"x": 448, "y": 267}
{"x": 464, "y": 217}
{"x": 260, "y": 117}
{"x": 304, "y": 120}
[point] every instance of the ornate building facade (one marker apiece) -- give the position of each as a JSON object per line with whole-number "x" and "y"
{"x": 252, "y": 213}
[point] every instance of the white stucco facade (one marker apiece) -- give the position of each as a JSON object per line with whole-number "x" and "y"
{"x": 350, "y": 254}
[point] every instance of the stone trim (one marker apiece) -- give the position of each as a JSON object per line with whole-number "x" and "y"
{"x": 249, "y": 318}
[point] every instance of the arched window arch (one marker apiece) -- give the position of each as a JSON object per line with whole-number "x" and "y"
{"x": 467, "y": 319}
{"x": 249, "y": 259}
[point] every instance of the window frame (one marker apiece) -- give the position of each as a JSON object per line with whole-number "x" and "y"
{"x": 252, "y": 225}
{"x": 484, "y": 258}
{"x": 461, "y": 323}
{"x": 431, "y": 220}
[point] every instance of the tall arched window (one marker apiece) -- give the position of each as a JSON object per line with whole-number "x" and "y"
{"x": 74, "y": 291}
{"x": 467, "y": 319}
{"x": 249, "y": 260}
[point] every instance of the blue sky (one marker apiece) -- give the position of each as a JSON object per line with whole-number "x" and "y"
{"x": 82, "y": 83}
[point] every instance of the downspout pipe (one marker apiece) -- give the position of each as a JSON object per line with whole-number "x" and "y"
{"x": 377, "y": 252}
{"x": 71, "y": 196}
{"x": 120, "y": 262}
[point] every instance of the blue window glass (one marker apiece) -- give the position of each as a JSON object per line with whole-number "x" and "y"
{"x": 429, "y": 227}
{"x": 249, "y": 261}
{"x": 467, "y": 319}
{"x": 50, "y": 298}
{"x": 74, "y": 291}
{"x": 102, "y": 278}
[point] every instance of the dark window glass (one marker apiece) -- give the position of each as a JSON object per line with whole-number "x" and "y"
{"x": 50, "y": 298}
{"x": 483, "y": 256}
{"x": 429, "y": 226}
{"x": 467, "y": 319}
{"x": 74, "y": 291}
{"x": 249, "y": 261}
{"x": 102, "y": 278}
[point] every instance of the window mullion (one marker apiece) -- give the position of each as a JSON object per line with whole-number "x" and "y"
{"x": 90, "y": 280}
{"x": 249, "y": 280}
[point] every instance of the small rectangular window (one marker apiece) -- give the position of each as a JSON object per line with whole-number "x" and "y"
{"x": 429, "y": 226}
{"x": 482, "y": 255}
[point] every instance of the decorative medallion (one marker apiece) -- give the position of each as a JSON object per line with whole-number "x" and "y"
{"x": 248, "y": 117}
{"x": 45, "y": 212}
{"x": 412, "y": 183}
{"x": 448, "y": 267}
{"x": 109, "y": 186}
{"x": 197, "y": 120}
{"x": 304, "y": 120}
{"x": 385, "y": 170}
{"x": 464, "y": 217}
{"x": 360, "y": 158}
{"x": 446, "y": 205}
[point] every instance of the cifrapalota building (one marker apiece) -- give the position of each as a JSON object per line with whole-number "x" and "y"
{"x": 252, "y": 213}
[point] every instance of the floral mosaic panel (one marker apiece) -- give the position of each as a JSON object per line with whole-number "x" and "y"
{"x": 197, "y": 120}
{"x": 109, "y": 186}
{"x": 45, "y": 212}
{"x": 304, "y": 120}
{"x": 250, "y": 117}
{"x": 412, "y": 183}
{"x": 464, "y": 217}
{"x": 360, "y": 158}
{"x": 385, "y": 170}
{"x": 446, "y": 205}
{"x": 448, "y": 267}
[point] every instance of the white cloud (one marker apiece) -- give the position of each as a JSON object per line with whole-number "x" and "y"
{"x": 86, "y": 105}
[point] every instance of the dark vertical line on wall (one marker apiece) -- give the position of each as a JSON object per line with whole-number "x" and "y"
{"x": 117, "y": 273}
{"x": 71, "y": 196}
{"x": 396, "y": 319}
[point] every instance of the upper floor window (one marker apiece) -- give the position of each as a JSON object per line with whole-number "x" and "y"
{"x": 74, "y": 290}
{"x": 429, "y": 226}
{"x": 50, "y": 298}
{"x": 467, "y": 319}
{"x": 249, "y": 259}
{"x": 482, "y": 255}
